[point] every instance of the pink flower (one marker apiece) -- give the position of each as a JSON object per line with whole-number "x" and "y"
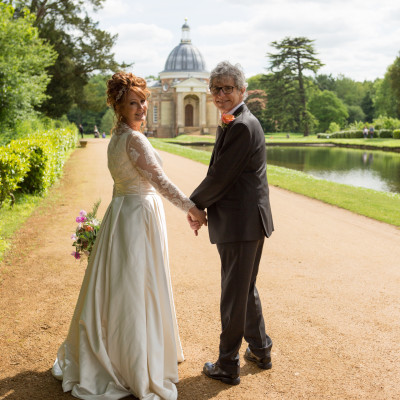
{"x": 76, "y": 255}
{"x": 83, "y": 213}
{"x": 73, "y": 236}
{"x": 80, "y": 219}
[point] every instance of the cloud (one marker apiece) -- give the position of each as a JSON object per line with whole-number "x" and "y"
{"x": 359, "y": 38}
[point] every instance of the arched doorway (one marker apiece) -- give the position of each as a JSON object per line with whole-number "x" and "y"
{"x": 188, "y": 115}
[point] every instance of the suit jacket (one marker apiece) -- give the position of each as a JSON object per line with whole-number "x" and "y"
{"x": 235, "y": 190}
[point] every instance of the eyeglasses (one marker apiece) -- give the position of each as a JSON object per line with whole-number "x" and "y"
{"x": 225, "y": 89}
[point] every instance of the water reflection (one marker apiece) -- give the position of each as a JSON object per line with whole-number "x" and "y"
{"x": 376, "y": 170}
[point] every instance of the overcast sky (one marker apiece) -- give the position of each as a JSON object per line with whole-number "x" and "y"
{"x": 357, "y": 38}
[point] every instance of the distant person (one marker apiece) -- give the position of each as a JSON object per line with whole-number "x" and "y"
{"x": 365, "y": 132}
{"x": 96, "y": 132}
{"x": 81, "y": 130}
{"x": 371, "y": 131}
{"x": 103, "y": 135}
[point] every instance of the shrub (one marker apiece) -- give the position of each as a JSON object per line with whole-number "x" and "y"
{"x": 12, "y": 171}
{"x": 396, "y": 134}
{"x": 385, "y": 133}
{"x": 333, "y": 127}
{"x": 386, "y": 123}
{"x": 356, "y": 133}
{"x": 32, "y": 165}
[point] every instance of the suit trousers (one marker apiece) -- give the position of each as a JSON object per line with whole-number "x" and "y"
{"x": 241, "y": 312}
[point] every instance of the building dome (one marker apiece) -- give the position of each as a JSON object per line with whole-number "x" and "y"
{"x": 185, "y": 56}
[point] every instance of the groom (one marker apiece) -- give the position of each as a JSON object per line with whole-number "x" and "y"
{"x": 236, "y": 195}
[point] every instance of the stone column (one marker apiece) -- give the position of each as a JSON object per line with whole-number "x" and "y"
{"x": 203, "y": 103}
{"x": 180, "y": 113}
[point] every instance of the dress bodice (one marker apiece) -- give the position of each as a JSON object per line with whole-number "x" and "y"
{"x": 136, "y": 168}
{"x": 127, "y": 179}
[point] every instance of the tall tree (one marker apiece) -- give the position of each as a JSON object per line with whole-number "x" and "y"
{"x": 385, "y": 101}
{"x": 394, "y": 80}
{"x": 256, "y": 101}
{"x": 325, "y": 82}
{"x": 295, "y": 56}
{"x": 327, "y": 108}
{"x": 349, "y": 91}
{"x": 24, "y": 58}
{"x": 93, "y": 105}
{"x": 367, "y": 106}
{"x": 81, "y": 46}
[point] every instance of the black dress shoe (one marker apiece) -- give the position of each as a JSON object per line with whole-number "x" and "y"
{"x": 263, "y": 363}
{"x": 215, "y": 372}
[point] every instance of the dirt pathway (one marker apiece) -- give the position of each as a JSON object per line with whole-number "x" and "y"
{"x": 329, "y": 282}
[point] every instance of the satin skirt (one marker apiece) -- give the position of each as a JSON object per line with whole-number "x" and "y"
{"x": 123, "y": 338}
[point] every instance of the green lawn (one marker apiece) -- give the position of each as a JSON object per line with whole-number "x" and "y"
{"x": 294, "y": 138}
{"x": 380, "y": 206}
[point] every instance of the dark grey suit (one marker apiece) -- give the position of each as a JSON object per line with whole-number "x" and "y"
{"x": 236, "y": 195}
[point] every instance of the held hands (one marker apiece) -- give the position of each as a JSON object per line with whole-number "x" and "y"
{"x": 196, "y": 218}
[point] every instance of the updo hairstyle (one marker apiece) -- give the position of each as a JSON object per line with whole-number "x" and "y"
{"x": 118, "y": 87}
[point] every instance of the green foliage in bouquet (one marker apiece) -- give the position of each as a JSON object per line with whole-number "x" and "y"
{"x": 86, "y": 232}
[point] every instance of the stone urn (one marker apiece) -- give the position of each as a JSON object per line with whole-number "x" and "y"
{"x": 83, "y": 142}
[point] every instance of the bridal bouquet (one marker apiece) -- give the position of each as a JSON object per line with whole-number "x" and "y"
{"x": 86, "y": 232}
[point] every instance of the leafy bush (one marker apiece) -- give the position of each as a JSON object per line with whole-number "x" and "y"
{"x": 385, "y": 133}
{"x": 333, "y": 127}
{"x": 386, "y": 123}
{"x": 40, "y": 157}
{"x": 12, "y": 171}
{"x": 396, "y": 134}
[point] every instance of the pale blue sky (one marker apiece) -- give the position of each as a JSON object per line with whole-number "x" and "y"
{"x": 357, "y": 38}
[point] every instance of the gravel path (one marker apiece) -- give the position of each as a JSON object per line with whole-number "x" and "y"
{"x": 329, "y": 283}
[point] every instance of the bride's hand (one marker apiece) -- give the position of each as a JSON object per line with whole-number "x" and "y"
{"x": 195, "y": 225}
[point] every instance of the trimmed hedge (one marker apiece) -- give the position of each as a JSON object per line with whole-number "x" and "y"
{"x": 32, "y": 165}
{"x": 396, "y": 134}
{"x": 385, "y": 133}
{"x": 12, "y": 172}
{"x": 352, "y": 134}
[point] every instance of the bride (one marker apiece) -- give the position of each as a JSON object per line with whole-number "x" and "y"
{"x": 123, "y": 338}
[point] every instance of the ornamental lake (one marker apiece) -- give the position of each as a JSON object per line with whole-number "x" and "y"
{"x": 378, "y": 170}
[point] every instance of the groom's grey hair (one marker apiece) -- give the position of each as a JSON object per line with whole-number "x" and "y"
{"x": 224, "y": 69}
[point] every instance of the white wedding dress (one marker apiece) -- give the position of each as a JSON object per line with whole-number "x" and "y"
{"x": 123, "y": 337}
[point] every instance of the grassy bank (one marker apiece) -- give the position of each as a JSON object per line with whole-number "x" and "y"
{"x": 11, "y": 219}
{"x": 380, "y": 206}
{"x": 295, "y": 139}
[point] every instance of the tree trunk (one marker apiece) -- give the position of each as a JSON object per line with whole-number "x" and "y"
{"x": 302, "y": 97}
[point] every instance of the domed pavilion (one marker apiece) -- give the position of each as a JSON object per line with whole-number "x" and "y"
{"x": 180, "y": 101}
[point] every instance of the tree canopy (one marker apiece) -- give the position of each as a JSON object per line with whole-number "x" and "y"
{"x": 81, "y": 46}
{"x": 24, "y": 58}
{"x": 327, "y": 108}
{"x": 294, "y": 56}
{"x": 393, "y": 75}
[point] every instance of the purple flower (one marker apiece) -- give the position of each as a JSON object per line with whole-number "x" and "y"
{"x": 80, "y": 219}
{"x": 73, "y": 236}
{"x": 76, "y": 255}
{"x": 83, "y": 213}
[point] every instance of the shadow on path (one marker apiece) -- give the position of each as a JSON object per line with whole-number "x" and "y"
{"x": 33, "y": 385}
{"x": 202, "y": 387}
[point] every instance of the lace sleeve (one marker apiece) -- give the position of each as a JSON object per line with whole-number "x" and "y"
{"x": 142, "y": 156}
